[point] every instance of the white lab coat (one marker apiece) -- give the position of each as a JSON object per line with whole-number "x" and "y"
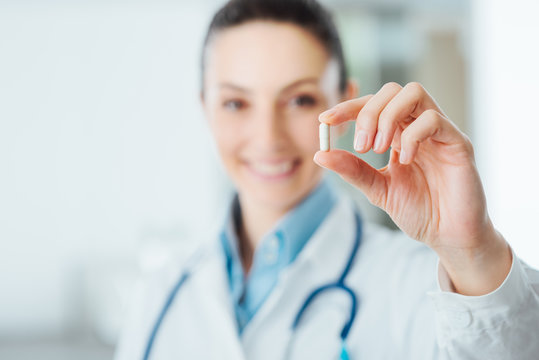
{"x": 403, "y": 312}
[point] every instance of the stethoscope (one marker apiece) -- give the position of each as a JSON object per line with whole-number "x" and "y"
{"x": 339, "y": 284}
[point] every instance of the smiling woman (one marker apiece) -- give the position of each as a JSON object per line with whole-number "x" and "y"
{"x": 293, "y": 263}
{"x": 265, "y": 122}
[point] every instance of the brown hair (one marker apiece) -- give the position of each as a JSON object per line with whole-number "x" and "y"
{"x": 307, "y": 14}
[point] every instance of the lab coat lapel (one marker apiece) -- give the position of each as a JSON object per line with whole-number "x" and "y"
{"x": 201, "y": 324}
{"x": 216, "y": 309}
{"x": 321, "y": 261}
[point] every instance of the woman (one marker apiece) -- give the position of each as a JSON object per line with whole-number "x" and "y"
{"x": 293, "y": 264}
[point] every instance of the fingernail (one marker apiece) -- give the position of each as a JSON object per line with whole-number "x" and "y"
{"x": 378, "y": 141}
{"x": 327, "y": 114}
{"x": 315, "y": 159}
{"x": 403, "y": 158}
{"x": 360, "y": 142}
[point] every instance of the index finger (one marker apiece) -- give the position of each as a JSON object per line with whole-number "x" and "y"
{"x": 345, "y": 111}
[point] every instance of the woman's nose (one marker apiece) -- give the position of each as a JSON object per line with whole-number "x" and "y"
{"x": 269, "y": 129}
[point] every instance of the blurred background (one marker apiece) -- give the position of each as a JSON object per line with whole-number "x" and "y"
{"x": 106, "y": 163}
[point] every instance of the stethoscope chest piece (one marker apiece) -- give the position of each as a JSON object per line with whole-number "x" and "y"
{"x": 344, "y": 352}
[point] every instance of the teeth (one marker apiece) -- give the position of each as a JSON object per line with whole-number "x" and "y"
{"x": 272, "y": 169}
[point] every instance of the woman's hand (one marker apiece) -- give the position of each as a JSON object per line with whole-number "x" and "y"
{"x": 430, "y": 187}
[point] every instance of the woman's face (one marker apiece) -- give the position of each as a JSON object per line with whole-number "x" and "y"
{"x": 265, "y": 84}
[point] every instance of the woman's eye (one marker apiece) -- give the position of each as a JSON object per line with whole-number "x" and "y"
{"x": 303, "y": 101}
{"x": 233, "y": 105}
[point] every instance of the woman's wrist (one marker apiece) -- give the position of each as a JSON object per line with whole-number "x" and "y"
{"x": 480, "y": 270}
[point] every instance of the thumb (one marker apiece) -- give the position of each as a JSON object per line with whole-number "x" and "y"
{"x": 354, "y": 171}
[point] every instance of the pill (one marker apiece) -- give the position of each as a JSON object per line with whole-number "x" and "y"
{"x": 323, "y": 133}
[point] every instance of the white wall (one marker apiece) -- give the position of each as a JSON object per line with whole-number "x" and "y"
{"x": 103, "y": 148}
{"x": 506, "y": 122}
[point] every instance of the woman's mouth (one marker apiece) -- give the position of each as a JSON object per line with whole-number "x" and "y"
{"x": 273, "y": 170}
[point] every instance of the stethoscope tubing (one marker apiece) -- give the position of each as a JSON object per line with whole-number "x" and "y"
{"x": 337, "y": 285}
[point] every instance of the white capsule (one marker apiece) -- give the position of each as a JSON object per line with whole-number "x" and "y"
{"x": 323, "y": 133}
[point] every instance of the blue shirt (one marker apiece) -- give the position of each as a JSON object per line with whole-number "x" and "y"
{"x": 277, "y": 250}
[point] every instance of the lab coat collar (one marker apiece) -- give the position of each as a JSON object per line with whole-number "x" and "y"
{"x": 321, "y": 261}
{"x": 331, "y": 245}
